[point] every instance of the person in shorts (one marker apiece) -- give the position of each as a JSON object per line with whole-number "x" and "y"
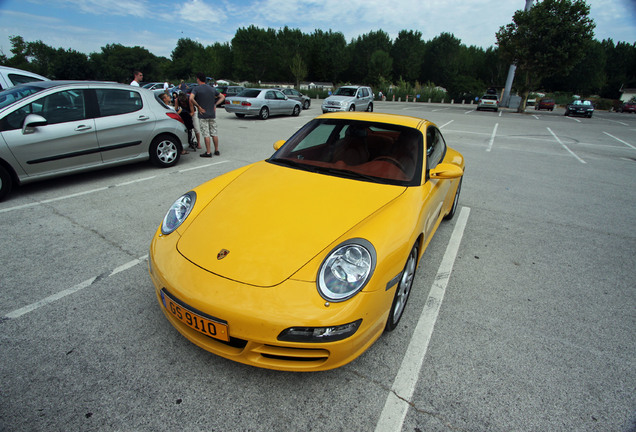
{"x": 207, "y": 98}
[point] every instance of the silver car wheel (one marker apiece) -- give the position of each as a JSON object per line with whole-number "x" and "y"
{"x": 164, "y": 151}
{"x": 403, "y": 290}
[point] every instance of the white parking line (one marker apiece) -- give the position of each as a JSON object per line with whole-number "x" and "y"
{"x": 564, "y": 146}
{"x": 91, "y": 191}
{"x": 80, "y": 286}
{"x": 399, "y": 398}
{"x": 492, "y": 137}
{"x": 620, "y": 140}
{"x": 446, "y": 124}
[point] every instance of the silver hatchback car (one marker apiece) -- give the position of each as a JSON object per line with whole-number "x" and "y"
{"x": 54, "y": 128}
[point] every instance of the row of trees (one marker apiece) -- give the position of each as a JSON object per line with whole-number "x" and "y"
{"x": 583, "y": 66}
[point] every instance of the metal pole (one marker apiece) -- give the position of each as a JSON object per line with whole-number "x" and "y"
{"x": 505, "y": 99}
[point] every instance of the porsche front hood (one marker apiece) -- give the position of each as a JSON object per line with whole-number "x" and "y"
{"x": 271, "y": 220}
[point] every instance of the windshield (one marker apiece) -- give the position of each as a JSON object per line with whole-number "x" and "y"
{"x": 7, "y": 97}
{"x": 367, "y": 151}
{"x": 345, "y": 91}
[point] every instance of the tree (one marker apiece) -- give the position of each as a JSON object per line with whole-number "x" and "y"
{"x": 407, "y": 53}
{"x": 548, "y": 39}
{"x": 327, "y": 58}
{"x": 298, "y": 69}
{"x": 380, "y": 67}
{"x": 441, "y": 64}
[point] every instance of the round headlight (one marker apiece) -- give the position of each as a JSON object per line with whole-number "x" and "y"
{"x": 178, "y": 212}
{"x": 346, "y": 270}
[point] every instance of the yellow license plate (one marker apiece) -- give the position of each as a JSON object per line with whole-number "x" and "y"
{"x": 195, "y": 320}
{"x": 236, "y": 102}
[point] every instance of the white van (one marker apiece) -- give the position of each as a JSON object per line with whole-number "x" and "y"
{"x": 10, "y": 77}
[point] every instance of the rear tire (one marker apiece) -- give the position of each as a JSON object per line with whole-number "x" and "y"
{"x": 296, "y": 111}
{"x": 6, "y": 183}
{"x": 165, "y": 151}
{"x": 370, "y": 108}
{"x": 306, "y": 104}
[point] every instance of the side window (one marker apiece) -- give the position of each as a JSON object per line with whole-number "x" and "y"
{"x": 21, "y": 79}
{"x": 61, "y": 107}
{"x": 435, "y": 147}
{"x": 270, "y": 95}
{"x": 115, "y": 101}
{"x": 365, "y": 92}
{"x": 280, "y": 95}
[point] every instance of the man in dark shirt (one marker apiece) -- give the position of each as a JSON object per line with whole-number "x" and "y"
{"x": 208, "y": 98}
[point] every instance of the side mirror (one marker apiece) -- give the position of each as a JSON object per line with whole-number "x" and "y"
{"x": 446, "y": 171}
{"x": 31, "y": 122}
{"x": 278, "y": 144}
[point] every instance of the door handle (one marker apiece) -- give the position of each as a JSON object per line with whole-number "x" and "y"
{"x": 82, "y": 128}
{"x": 143, "y": 117}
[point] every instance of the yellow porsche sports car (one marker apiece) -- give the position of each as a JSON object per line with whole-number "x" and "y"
{"x": 301, "y": 261}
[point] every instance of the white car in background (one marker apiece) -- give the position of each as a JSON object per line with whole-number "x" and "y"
{"x": 10, "y": 77}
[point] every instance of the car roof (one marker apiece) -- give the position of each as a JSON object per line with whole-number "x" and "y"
{"x": 373, "y": 117}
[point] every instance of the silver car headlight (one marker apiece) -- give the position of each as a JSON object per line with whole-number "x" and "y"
{"x": 346, "y": 270}
{"x": 178, "y": 212}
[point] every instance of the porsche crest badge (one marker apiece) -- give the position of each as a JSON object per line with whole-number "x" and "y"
{"x": 222, "y": 254}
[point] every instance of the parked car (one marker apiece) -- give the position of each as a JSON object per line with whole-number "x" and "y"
{"x": 53, "y": 128}
{"x": 628, "y": 107}
{"x": 580, "y": 107}
{"x": 545, "y": 104}
{"x": 296, "y": 95}
{"x": 300, "y": 262}
{"x": 262, "y": 103}
{"x": 488, "y": 101}
{"x": 10, "y": 77}
{"x": 349, "y": 98}
{"x": 153, "y": 86}
{"x": 229, "y": 91}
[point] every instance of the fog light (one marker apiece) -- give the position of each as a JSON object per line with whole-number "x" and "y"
{"x": 319, "y": 334}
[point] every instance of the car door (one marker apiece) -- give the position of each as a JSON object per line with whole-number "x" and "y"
{"x": 66, "y": 142}
{"x": 435, "y": 189}
{"x": 125, "y": 124}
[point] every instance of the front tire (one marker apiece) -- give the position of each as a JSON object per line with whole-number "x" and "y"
{"x": 352, "y": 108}
{"x": 165, "y": 151}
{"x": 306, "y": 105}
{"x": 402, "y": 290}
{"x": 451, "y": 213}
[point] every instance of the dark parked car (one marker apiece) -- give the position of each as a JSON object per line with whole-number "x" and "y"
{"x": 580, "y": 107}
{"x": 545, "y": 104}
{"x": 296, "y": 95}
{"x": 228, "y": 91}
{"x": 628, "y": 107}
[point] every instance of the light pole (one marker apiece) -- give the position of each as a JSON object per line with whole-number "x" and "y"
{"x": 505, "y": 99}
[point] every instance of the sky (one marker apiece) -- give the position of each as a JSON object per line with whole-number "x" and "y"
{"x": 88, "y": 25}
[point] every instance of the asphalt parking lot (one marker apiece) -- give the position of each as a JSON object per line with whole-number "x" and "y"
{"x": 532, "y": 330}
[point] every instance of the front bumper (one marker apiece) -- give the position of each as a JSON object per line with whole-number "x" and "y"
{"x": 256, "y": 316}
